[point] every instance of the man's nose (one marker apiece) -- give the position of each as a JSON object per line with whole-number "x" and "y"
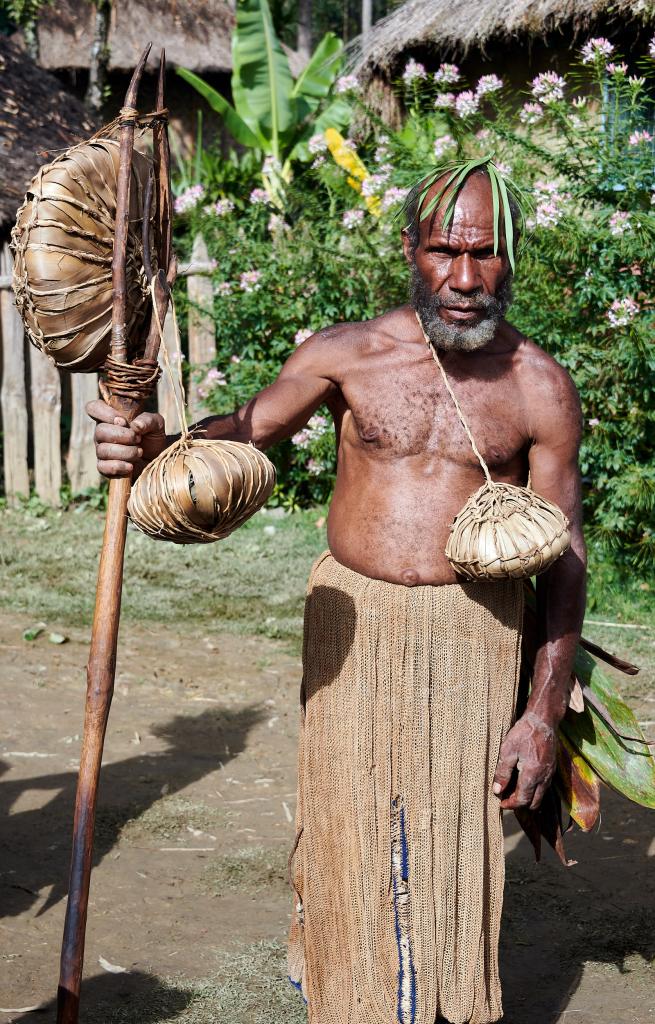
{"x": 464, "y": 276}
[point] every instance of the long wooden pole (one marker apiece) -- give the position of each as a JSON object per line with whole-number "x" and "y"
{"x": 102, "y": 657}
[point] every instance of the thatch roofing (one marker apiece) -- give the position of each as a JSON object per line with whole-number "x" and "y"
{"x": 38, "y": 119}
{"x": 457, "y": 26}
{"x": 196, "y": 33}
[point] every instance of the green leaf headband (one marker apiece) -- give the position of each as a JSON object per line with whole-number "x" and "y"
{"x": 457, "y": 173}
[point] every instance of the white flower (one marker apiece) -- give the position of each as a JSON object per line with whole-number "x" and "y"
{"x": 317, "y": 144}
{"x": 258, "y": 196}
{"x": 318, "y": 161}
{"x": 188, "y": 199}
{"x": 223, "y": 288}
{"x": 579, "y": 102}
{"x": 271, "y": 165}
{"x": 593, "y": 422}
{"x": 393, "y": 196}
{"x": 347, "y": 83}
{"x": 598, "y": 49}
{"x": 413, "y": 72}
{"x": 549, "y": 203}
{"x": 448, "y": 74}
{"x": 651, "y": 48}
{"x": 617, "y": 69}
{"x": 466, "y": 103}
{"x": 249, "y": 280}
{"x": 620, "y": 223}
{"x": 222, "y": 207}
{"x": 442, "y": 145}
{"x": 636, "y": 80}
{"x": 504, "y": 169}
{"x": 352, "y": 218}
{"x": 622, "y": 312}
{"x": 302, "y": 335}
{"x": 488, "y": 83}
{"x": 531, "y": 113}
{"x": 548, "y": 87}
{"x": 314, "y": 467}
{"x": 374, "y": 184}
{"x": 445, "y": 100}
{"x": 637, "y": 138}
{"x": 276, "y": 223}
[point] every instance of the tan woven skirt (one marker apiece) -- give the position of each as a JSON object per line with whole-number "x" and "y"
{"x": 398, "y": 865}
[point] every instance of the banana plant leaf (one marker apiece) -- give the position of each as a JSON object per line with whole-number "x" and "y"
{"x": 234, "y": 123}
{"x": 316, "y": 79}
{"x": 262, "y": 83}
{"x": 578, "y": 785}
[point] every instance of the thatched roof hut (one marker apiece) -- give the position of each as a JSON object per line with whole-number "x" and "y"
{"x": 195, "y": 33}
{"x": 457, "y": 27}
{"x": 38, "y": 119}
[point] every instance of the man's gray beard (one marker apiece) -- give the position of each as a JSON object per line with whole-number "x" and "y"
{"x": 452, "y": 337}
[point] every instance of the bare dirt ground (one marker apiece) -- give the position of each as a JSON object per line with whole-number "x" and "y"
{"x": 189, "y": 893}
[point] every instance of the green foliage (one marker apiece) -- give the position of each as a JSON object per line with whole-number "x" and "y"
{"x": 24, "y": 13}
{"x": 272, "y": 113}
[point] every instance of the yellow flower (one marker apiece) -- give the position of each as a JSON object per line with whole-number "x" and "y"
{"x": 348, "y": 159}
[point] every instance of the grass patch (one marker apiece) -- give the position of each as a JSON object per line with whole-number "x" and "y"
{"x": 251, "y": 870}
{"x": 170, "y": 817}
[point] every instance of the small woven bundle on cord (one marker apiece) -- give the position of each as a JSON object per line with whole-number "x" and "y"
{"x": 63, "y": 241}
{"x": 504, "y": 531}
{"x": 198, "y": 491}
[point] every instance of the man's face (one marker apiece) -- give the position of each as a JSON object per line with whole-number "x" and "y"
{"x": 458, "y": 287}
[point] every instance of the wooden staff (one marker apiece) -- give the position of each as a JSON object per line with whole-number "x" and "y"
{"x": 102, "y": 656}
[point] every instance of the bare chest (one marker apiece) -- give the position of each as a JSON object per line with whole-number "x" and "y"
{"x": 411, "y": 414}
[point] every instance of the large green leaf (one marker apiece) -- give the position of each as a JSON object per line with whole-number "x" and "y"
{"x": 336, "y": 115}
{"x": 626, "y": 765}
{"x": 316, "y": 80}
{"x": 261, "y": 78}
{"x": 235, "y": 124}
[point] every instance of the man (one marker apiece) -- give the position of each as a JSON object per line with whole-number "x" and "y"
{"x": 407, "y": 750}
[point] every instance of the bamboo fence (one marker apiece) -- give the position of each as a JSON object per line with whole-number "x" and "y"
{"x": 31, "y": 394}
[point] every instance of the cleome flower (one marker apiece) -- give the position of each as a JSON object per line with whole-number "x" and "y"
{"x": 651, "y": 48}
{"x": 466, "y": 103}
{"x": 374, "y": 184}
{"x": 258, "y": 197}
{"x": 189, "y": 199}
{"x": 637, "y": 138}
{"x": 448, "y": 74}
{"x": 302, "y": 335}
{"x": 222, "y": 207}
{"x": 414, "y": 72}
{"x": 620, "y": 223}
{"x": 249, "y": 280}
{"x": 548, "y": 87}
{"x": 617, "y": 69}
{"x": 393, "y": 196}
{"x": 596, "y": 50}
{"x": 549, "y": 204}
{"x": 347, "y": 83}
{"x": 487, "y": 84}
{"x": 445, "y": 101}
{"x": 317, "y": 144}
{"x": 223, "y": 288}
{"x": 352, "y": 218}
{"x": 442, "y": 145}
{"x": 531, "y": 113}
{"x": 316, "y": 427}
{"x": 622, "y": 312}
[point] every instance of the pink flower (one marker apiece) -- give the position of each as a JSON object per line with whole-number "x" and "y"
{"x": 249, "y": 280}
{"x": 620, "y": 223}
{"x": 223, "y": 288}
{"x": 488, "y": 83}
{"x": 593, "y": 422}
{"x": 442, "y": 145}
{"x": 617, "y": 69}
{"x": 466, "y": 103}
{"x": 352, "y": 218}
{"x": 347, "y": 83}
{"x": 548, "y": 87}
{"x": 549, "y": 202}
{"x": 531, "y": 113}
{"x": 302, "y": 335}
{"x": 318, "y": 161}
{"x": 393, "y": 196}
{"x": 596, "y": 50}
{"x": 445, "y": 101}
{"x": 413, "y": 72}
{"x": 258, "y": 196}
{"x": 448, "y": 74}
{"x": 637, "y": 138}
{"x": 314, "y": 467}
{"x": 317, "y": 144}
{"x": 622, "y": 312}
{"x": 301, "y": 439}
{"x": 235, "y": 359}
{"x": 374, "y": 184}
{"x": 189, "y": 199}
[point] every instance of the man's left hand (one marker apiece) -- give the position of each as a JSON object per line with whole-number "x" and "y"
{"x": 529, "y": 749}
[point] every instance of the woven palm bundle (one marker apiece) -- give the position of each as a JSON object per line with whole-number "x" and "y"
{"x": 63, "y": 241}
{"x": 506, "y": 531}
{"x": 198, "y": 491}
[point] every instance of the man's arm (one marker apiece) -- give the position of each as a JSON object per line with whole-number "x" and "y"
{"x": 273, "y": 414}
{"x": 530, "y": 746}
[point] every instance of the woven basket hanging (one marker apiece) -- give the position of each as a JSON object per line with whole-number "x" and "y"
{"x": 63, "y": 242}
{"x": 503, "y": 530}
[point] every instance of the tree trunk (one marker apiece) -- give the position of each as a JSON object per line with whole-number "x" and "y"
{"x": 46, "y": 415}
{"x": 367, "y": 20}
{"x": 13, "y": 398}
{"x": 165, "y": 394}
{"x": 81, "y": 459}
{"x": 202, "y": 333}
{"x": 305, "y": 28}
{"x": 99, "y": 57}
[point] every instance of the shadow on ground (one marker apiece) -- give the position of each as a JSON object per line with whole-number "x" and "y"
{"x": 35, "y": 848}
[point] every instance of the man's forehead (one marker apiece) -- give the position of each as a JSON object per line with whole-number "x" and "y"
{"x": 473, "y": 212}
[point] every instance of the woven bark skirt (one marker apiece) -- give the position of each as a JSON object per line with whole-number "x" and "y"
{"x": 398, "y": 865}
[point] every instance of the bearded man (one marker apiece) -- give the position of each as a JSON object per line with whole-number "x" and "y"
{"x": 409, "y": 749}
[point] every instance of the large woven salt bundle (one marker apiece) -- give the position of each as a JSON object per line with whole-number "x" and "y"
{"x": 198, "y": 491}
{"x": 63, "y": 242}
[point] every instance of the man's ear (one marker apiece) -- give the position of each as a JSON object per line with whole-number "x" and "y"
{"x": 408, "y": 248}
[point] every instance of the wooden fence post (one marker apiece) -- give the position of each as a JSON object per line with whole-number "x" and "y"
{"x": 202, "y": 334}
{"x": 46, "y": 416}
{"x": 165, "y": 395}
{"x": 12, "y": 396}
{"x": 81, "y": 459}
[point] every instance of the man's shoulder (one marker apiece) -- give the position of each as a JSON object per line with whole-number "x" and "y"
{"x": 547, "y": 387}
{"x": 360, "y": 337}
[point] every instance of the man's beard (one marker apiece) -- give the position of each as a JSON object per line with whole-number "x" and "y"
{"x": 453, "y": 337}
